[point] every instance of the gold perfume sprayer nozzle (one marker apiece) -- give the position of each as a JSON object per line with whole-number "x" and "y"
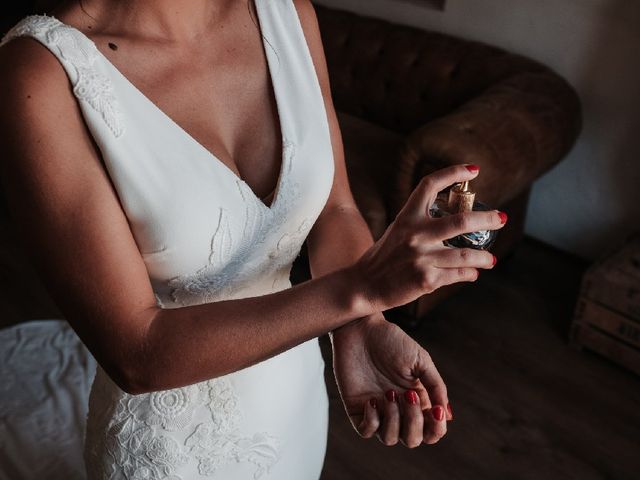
{"x": 461, "y": 198}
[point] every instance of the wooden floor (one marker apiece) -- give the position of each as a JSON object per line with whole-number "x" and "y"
{"x": 526, "y": 405}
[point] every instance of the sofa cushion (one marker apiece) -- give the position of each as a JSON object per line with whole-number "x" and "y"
{"x": 370, "y": 153}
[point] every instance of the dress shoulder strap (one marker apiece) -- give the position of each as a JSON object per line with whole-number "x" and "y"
{"x": 78, "y": 55}
{"x": 304, "y": 108}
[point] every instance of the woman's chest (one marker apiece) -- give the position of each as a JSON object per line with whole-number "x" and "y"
{"x": 225, "y": 104}
{"x": 202, "y": 231}
{"x": 218, "y": 91}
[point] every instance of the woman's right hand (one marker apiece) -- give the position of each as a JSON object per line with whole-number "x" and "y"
{"x": 410, "y": 260}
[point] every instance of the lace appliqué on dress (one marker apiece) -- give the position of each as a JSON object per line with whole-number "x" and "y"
{"x": 215, "y": 443}
{"x": 88, "y": 84}
{"x": 224, "y": 276}
{"x": 138, "y": 449}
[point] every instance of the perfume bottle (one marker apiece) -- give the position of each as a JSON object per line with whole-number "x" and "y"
{"x": 461, "y": 198}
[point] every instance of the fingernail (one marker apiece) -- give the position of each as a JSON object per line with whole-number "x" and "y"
{"x": 450, "y": 410}
{"x": 473, "y": 168}
{"x": 503, "y": 217}
{"x": 373, "y": 403}
{"x": 411, "y": 397}
{"x": 391, "y": 395}
{"x": 493, "y": 262}
{"x": 438, "y": 413}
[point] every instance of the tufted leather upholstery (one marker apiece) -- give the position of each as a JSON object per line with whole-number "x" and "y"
{"x": 411, "y": 101}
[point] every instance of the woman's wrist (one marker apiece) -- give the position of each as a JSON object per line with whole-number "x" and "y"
{"x": 356, "y": 293}
{"x": 357, "y": 327}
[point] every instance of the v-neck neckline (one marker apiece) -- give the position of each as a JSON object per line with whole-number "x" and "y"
{"x": 215, "y": 159}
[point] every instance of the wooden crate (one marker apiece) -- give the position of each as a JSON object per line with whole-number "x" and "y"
{"x": 607, "y": 314}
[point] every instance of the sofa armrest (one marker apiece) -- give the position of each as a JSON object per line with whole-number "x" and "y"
{"x": 515, "y": 130}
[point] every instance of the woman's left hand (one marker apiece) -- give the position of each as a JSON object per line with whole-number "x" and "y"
{"x": 373, "y": 358}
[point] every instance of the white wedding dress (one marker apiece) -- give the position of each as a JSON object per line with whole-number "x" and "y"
{"x": 204, "y": 237}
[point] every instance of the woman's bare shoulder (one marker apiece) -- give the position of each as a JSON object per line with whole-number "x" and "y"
{"x": 39, "y": 109}
{"x": 29, "y": 71}
{"x": 42, "y": 128}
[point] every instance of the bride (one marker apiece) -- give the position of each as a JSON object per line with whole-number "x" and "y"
{"x": 172, "y": 264}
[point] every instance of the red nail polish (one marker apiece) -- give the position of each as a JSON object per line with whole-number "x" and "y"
{"x": 411, "y": 397}
{"x": 450, "y": 410}
{"x": 473, "y": 168}
{"x": 438, "y": 413}
{"x": 373, "y": 403}
{"x": 391, "y": 395}
{"x": 503, "y": 217}
{"x": 493, "y": 262}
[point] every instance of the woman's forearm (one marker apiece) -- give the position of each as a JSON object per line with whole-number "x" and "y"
{"x": 338, "y": 240}
{"x": 191, "y": 344}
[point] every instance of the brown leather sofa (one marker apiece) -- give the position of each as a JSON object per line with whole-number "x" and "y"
{"x": 411, "y": 101}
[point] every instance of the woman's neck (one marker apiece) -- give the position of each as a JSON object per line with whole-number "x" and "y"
{"x": 174, "y": 21}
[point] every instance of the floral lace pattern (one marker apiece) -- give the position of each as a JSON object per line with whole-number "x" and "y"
{"x": 170, "y": 409}
{"x": 213, "y": 450}
{"x": 225, "y": 275}
{"x": 79, "y": 56}
{"x": 34, "y": 25}
{"x": 138, "y": 448}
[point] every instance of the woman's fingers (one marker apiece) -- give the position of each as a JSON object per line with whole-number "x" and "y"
{"x": 443, "y": 228}
{"x": 451, "y": 257}
{"x": 389, "y": 432}
{"x": 435, "y": 424}
{"x": 432, "y": 381}
{"x": 447, "y": 276}
{"x": 412, "y": 420}
{"x": 408, "y": 423}
{"x": 371, "y": 419}
{"x": 427, "y": 189}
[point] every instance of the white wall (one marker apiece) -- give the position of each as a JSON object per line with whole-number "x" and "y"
{"x": 592, "y": 198}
